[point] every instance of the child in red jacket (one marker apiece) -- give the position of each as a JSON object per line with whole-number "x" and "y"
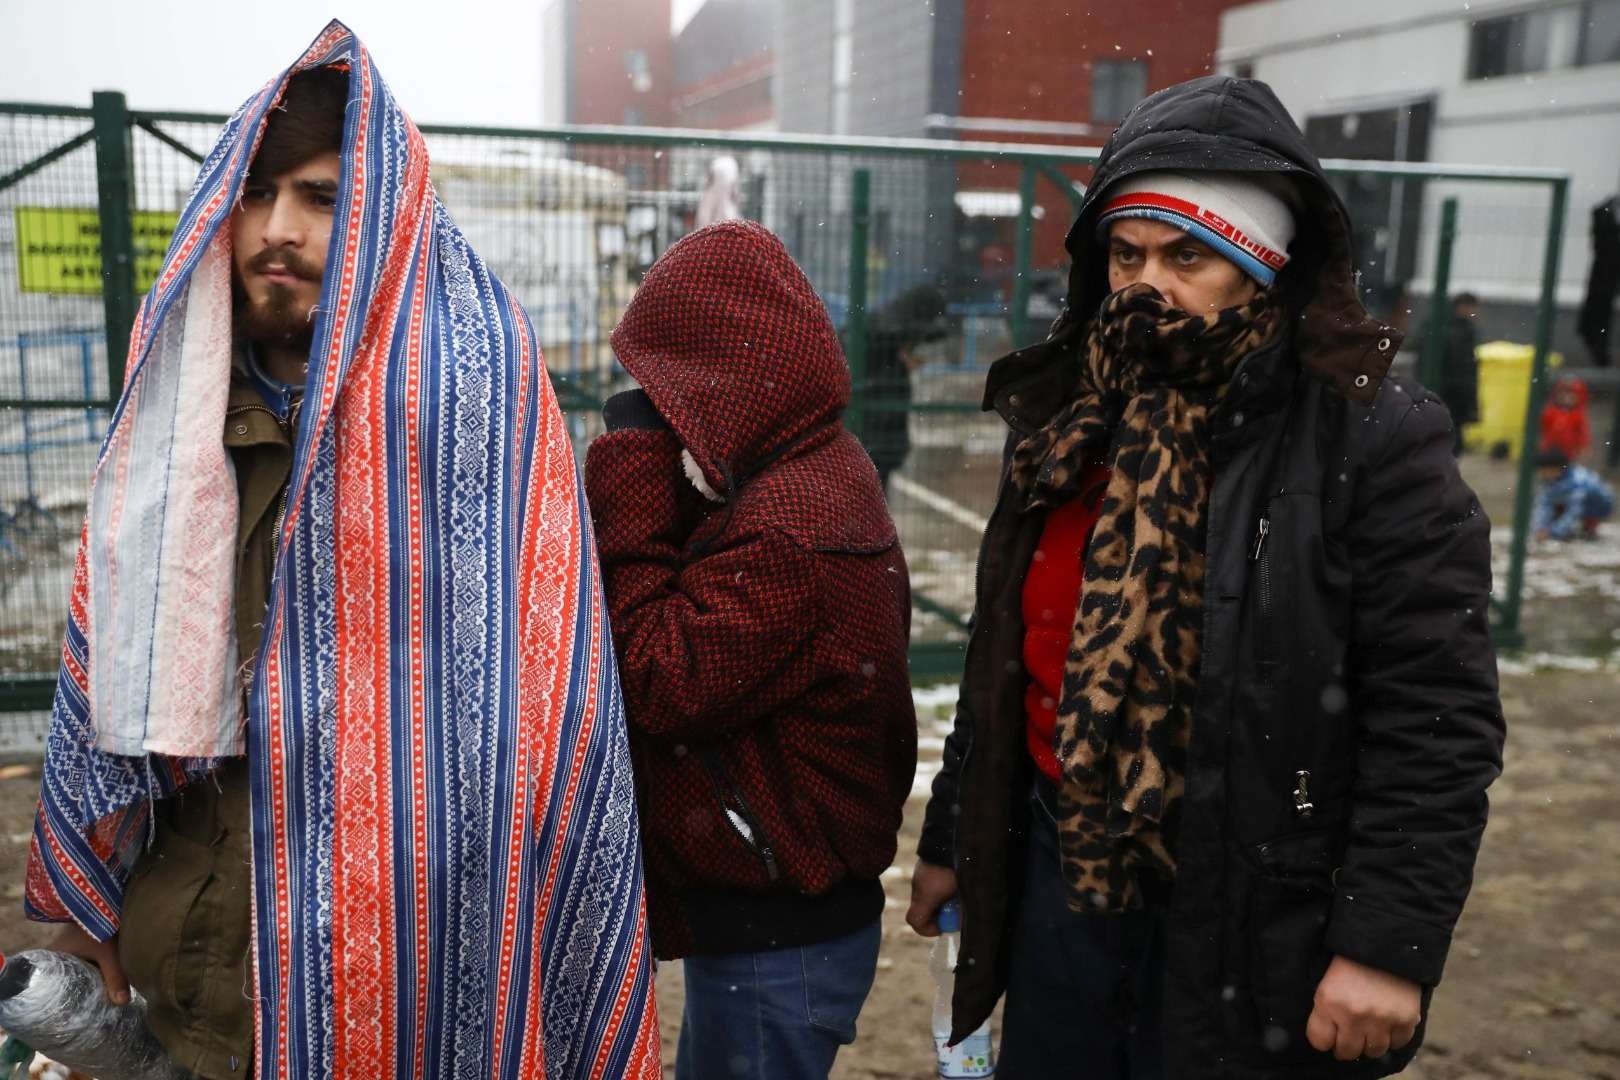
{"x": 1564, "y": 426}
{"x": 760, "y": 608}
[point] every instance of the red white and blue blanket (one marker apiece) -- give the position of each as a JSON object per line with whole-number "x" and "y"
{"x": 446, "y": 858}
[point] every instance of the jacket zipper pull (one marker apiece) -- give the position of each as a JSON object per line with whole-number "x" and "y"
{"x": 772, "y": 871}
{"x": 1260, "y": 539}
{"x": 1302, "y": 794}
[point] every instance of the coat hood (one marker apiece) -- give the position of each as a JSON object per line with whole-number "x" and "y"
{"x": 1573, "y": 384}
{"x": 735, "y": 349}
{"x": 1225, "y": 124}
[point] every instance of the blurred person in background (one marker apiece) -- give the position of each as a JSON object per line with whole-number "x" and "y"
{"x": 914, "y": 318}
{"x": 1596, "y": 319}
{"x": 1459, "y": 367}
{"x": 719, "y": 200}
{"x": 1229, "y": 711}
{"x": 1571, "y": 502}
{"x": 1566, "y": 426}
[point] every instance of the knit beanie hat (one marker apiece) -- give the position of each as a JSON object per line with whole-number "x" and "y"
{"x": 1243, "y": 218}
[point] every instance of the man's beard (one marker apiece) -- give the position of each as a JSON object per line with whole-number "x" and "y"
{"x": 278, "y": 321}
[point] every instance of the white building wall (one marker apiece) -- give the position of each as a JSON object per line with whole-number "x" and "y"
{"x": 1325, "y": 58}
{"x": 553, "y": 63}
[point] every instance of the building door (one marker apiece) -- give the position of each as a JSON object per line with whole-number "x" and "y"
{"x": 1387, "y": 214}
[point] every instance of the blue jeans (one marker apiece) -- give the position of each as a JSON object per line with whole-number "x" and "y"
{"x": 777, "y": 1015}
{"x": 1083, "y": 991}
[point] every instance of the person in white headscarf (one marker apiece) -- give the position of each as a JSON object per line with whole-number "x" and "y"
{"x": 719, "y": 199}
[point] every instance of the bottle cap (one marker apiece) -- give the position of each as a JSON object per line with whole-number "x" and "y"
{"x": 950, "y": 917}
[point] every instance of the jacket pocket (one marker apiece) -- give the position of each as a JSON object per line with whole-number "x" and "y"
{"x": 169, "y": 881}
{"x": 738, "y": 816}
{"x": 1290, "y": 904}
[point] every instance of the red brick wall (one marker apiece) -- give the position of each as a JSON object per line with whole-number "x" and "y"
{"x": 738, "y": 97}
{"x": 1031, "y": 60}
{"x": 602, "y": 34}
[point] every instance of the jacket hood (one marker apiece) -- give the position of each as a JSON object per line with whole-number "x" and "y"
{"x": 1573, "y": 383}
{"x": 1225, "y": 124}
{"x": 735, "y": 349}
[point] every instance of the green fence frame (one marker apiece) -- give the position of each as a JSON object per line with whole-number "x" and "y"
{"x": 113, "y": 123}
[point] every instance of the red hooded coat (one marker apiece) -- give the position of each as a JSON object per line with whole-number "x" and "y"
{"x": 1567, "y": 429}
{"x": 761, "y": 639}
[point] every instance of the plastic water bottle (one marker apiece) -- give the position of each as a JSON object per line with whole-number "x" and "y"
{"x": 57, "y": 1004}
{"x": 973, "y": 1056}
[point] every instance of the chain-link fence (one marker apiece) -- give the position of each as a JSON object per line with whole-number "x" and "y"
{"x": 933, "y": 258}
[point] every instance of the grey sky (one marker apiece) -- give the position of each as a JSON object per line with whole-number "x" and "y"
{"x": 473, "y": 62}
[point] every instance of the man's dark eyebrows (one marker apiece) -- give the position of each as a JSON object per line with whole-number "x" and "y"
{"x": 1125, "y": 246}
{"x": 318, "y": 187}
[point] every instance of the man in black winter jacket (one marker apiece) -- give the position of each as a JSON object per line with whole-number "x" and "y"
{"x": 1229, "y": 709}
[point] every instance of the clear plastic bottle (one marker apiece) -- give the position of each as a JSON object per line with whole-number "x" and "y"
{"x": 973, "y": 1056}
{"x": 57, "y": 1004}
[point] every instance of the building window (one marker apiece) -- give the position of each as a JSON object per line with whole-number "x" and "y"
{"x": 637, "y": 67}
{"x": 1547, "y": 39}
{"x": 1116, "y": 85}
{"x": 634, "y": 118}
{"x": 1600, "y": 32}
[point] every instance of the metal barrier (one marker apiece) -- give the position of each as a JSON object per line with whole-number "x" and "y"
{"x": 570, "y": 218}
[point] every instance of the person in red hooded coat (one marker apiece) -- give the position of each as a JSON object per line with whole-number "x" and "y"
{"x": 760, "y": 607}
{"x": 1564, "y": 423}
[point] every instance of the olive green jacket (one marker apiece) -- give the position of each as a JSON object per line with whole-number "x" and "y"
{"x": 186, "y": 926}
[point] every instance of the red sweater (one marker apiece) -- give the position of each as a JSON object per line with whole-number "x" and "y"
{"x": 1052, "y": 589}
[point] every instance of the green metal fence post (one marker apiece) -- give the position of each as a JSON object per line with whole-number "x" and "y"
{"x": 1023, "y": 254}
{"x": 115, "y": 198}
{"x": 1434, "y": 338}
{"x": 1508, "y": 632}
{"x": 860, "y": 226}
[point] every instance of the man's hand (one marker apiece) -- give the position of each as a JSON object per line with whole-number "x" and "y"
{"x": 931, "y": 886}
{"x": 72, "y": 939}
{"x": 1362, "y": 1011}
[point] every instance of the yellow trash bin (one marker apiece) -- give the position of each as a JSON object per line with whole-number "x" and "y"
{"x": 1504, "y": 393}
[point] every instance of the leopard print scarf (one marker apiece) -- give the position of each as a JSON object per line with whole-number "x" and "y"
{"x": 1149, "y": 378}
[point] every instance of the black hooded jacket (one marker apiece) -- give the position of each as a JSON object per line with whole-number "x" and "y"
{"x": 1347, "y": 721}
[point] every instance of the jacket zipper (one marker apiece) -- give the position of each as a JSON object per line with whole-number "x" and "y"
{"x": 288, "y": 427}
{"x": 742, "y": 820}
{"x": 1302, "y": 794}
{"x": 1267, "y": 601}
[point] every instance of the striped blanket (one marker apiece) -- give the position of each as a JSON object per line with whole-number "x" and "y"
{"x": 446, "y": 857}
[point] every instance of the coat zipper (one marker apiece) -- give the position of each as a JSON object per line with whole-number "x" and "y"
{"x": 1302, "y": 794}
{"x": 288, "y": 427}
{"x": 742, "y": 820}
{"x": 1266, "y": 658}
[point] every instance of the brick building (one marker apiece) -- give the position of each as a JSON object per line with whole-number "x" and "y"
{"x": 1002, "y": 70}
{"x": 725, "y": 63}
{"x": 616, "y": 61}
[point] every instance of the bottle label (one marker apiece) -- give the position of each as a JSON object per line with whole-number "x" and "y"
{"x": 968, "y": 1059}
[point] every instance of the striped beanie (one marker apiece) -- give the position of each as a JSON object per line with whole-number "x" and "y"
{"x": 1242, "y": 218}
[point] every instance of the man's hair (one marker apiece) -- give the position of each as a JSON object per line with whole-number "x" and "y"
{"x": 1465, "y": 298}
{"x": 1552, "y": 459}
{"x": 915, "y": 317}
{"x": 307, "y": 121}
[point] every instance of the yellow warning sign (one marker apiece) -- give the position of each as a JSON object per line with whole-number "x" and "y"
{"x": 59, "y": 248}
